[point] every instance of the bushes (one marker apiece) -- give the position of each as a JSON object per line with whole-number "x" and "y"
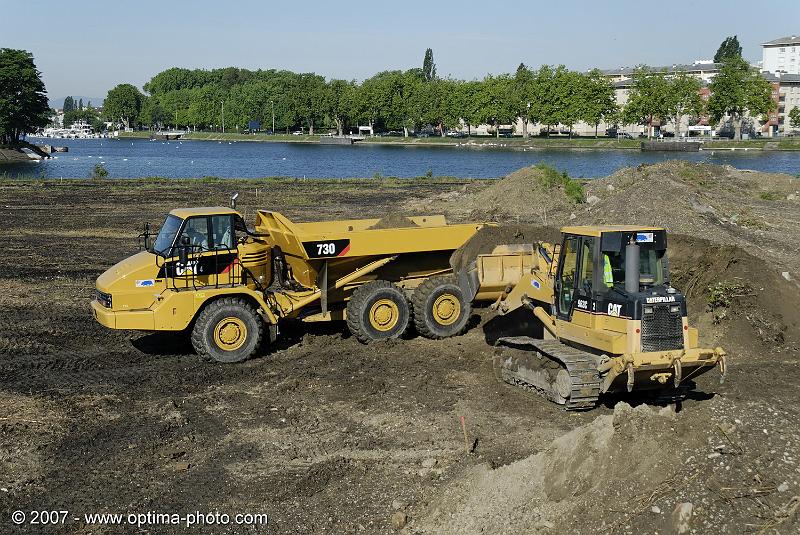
{"x": 550, "y": 178}
{"x": 98, "y": 172}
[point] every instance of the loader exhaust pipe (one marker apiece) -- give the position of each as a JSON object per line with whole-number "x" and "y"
{"x": 632, "y": 267}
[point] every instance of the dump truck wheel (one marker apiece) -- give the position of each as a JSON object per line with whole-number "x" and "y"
{"x": 378, "y": 310}
{"x": 440, "y": 309}
{"x": 227, "y": 330}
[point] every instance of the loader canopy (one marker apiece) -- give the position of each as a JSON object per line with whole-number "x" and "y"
{"x": 652, "y": 252}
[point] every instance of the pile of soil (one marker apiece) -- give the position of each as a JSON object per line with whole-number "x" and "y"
{"x": 638, "y": 470}
{"x": 489, "y": 237}
{"x": 628, "y": 451}
{"x": 734, "y": 299}
{"x": 393, "y": 221}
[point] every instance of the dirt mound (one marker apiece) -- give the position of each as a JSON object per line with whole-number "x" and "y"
{"x": 530, "y": 194}
{"x": 487, "y": 238}
{"x": 754, "y": 210}
{"x": 393, "y": 221}
{"x": 734, "y": 297}
{"x": 627, "y": 453}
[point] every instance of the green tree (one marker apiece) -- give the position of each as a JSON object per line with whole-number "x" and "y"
{"x": 648, "y": 98}
{"x": 737, "y": 90}
{"x": 80, "y": 103}
{"x": 468, "y": 103}
{"x": 547, "y": 96}
{"x": 495, "y": 104}
{"x": 441, "y": 109}
{"x": 69, "y": 104}
{"x": 728, "y": 48}
{"x": 523, "y": 95}
{"x": 123, "y": 103}
{"x": 309, "y": 99}
{"x": 570, "y": 98}
{"x": 152, "y": 113}
{"x": 23, "y": 103}
{"x": 794, "y": 116}
{"x": 684, "y": 98}
{"x": 428, "y": 66}
{"x": 340, "y": 103}
{"x": 597, "y": 99}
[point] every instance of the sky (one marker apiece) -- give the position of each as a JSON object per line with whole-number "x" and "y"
{"x": 87, "y": 47}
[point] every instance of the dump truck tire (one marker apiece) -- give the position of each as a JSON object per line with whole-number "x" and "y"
{"x": 228, "y": 330}
{"x": 378, "y": 310}
{"x": 440, "y": 309}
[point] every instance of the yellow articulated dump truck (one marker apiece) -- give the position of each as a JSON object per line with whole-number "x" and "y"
{"x": 228, "y": 285}
{"x": 592, "y": 315}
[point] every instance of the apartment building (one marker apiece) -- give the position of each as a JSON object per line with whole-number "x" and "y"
{"x": 781, "y": 55}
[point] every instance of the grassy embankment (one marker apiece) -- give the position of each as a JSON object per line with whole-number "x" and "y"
{"x": 487, "y": 141}
{"x": 515, "y": 142}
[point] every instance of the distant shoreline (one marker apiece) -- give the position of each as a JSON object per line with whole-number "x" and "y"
{"x": 582, "y": 143}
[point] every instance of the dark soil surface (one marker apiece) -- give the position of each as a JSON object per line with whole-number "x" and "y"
{"x": 327, "y": 435}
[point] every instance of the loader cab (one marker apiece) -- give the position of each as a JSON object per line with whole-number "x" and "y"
{"x": 594, "y": 273}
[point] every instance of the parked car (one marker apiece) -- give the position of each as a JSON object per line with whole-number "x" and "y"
{"x": 297, "y": 133}
{"x": 456, "y": 134}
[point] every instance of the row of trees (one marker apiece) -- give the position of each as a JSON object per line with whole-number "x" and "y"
{"x": 408, "y": 100}
{"x": 391, "y": 100}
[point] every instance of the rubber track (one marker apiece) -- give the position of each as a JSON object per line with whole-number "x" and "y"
{"x": 582, "y": 368}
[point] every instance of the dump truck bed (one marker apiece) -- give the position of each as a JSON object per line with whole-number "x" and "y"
{"x": 355, "y": 237}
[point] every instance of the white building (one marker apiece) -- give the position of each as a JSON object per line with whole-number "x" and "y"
{"x": 781, "y": 55}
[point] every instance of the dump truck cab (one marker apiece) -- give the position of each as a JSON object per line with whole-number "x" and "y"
{"x": 196, "y": 251}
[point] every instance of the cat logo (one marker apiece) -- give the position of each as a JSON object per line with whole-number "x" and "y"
{"x": 191, "y": 268}
{"x": 614, "y": 309}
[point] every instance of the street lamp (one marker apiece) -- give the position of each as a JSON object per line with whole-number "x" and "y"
{"x": 272, "y": 105}
{"x": 223, "y": 116}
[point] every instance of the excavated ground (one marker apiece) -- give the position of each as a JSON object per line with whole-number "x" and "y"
{"x": 327, "y": 435}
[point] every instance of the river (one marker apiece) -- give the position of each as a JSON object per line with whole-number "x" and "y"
{"x": 132, "y": 158}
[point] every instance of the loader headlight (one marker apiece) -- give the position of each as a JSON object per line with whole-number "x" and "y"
{"x": 675, "y": 309}
{"x": 103, "y": 298}
{"x": 648, "y": 310}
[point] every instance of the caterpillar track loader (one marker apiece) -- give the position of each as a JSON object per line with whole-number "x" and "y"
{"x": 592, "y": 315}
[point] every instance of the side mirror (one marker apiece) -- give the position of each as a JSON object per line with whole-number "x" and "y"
{"x": 183, "y": 250}
{"x": 183, "y": 255}
{"x": 146, "y": 236}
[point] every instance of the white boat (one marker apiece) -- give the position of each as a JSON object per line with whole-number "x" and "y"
{"x": 78, "y": 130}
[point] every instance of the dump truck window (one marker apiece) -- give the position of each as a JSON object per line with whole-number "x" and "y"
{"x": 222, "y": 228}
{"x": 587, "y": 265}
{"x": 166, "y": 236}
{"x": 196, "y": 229}
{"x": 568, "y": 269}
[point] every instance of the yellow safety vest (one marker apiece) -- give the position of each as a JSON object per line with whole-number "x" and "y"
{"x": 608, "y": 275}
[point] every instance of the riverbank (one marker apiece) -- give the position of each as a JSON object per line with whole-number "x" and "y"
{"x": 433, "y": 141}
{"x": 602, "y": 143}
